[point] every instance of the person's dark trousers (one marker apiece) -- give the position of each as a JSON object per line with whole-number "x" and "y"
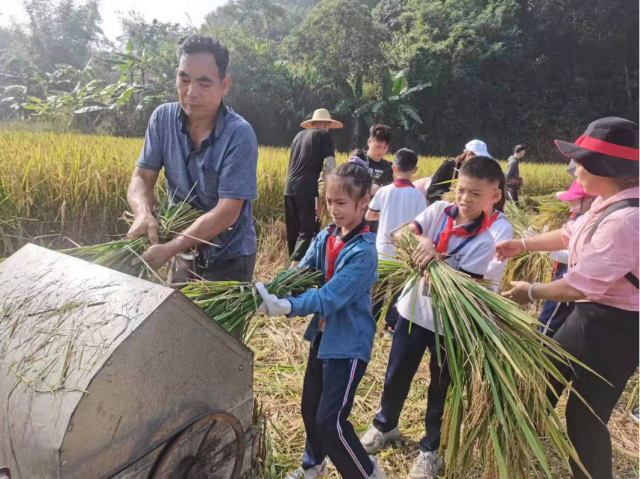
{"x": 327, "y": 398}
{"x": 241, "y": 269}
{"x": 391, "y": 318}
{"x": 302, "y": 224}
{"x": 512, "y": 193}
{"x": 605, "y": 339}
{"x": 407, "y": 351}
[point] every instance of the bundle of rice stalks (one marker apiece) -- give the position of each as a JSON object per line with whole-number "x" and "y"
{"x": 530, "y": 266}
{"x": 553, "y": 213}
{"x": 118, "y": 255}
{"x": 497, "y": 409}
{"x": 232, "y": 303}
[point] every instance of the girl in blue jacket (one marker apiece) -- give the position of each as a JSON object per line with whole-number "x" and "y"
{"x": 342, "y": 329}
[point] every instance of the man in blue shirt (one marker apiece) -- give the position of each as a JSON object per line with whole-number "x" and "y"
{"x": 209, "y": 155}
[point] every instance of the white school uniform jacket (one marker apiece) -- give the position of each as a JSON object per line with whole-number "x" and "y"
{"x": 501, "y": 230}
{"x": 398, "y": 203}
{"x": 474, "y": 259}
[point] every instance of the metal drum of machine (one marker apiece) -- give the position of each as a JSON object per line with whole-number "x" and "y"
{"x": 105, "y": 375}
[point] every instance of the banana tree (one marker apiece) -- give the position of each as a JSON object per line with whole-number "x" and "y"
{"x": 392, "y": 107}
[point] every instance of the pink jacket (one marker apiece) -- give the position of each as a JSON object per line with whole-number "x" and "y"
{"x": 597, "y": 267}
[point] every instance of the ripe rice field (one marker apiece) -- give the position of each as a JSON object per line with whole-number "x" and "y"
{"x": 58, "y": 190}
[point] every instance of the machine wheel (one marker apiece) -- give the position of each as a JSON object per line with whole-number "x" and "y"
{"x": 190, "y": 464}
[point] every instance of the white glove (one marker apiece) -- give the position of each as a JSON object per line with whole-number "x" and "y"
{"x": 271, "y": 304}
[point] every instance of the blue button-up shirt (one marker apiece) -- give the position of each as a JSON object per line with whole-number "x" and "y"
{"x": 224, "y": 166}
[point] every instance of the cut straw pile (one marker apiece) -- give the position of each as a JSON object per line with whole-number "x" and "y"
{"x": 530, "y": 266}
{"x": 118, "y": 255}
{"x": 497, "y": 409}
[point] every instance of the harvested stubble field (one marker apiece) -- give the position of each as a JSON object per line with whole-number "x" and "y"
{"x": 61, "y": 189}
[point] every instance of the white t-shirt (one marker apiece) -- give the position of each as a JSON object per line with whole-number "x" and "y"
{"x": 398, "y": 203}
{"x": 501, "y": 230}
{"x": 474, "y": 258}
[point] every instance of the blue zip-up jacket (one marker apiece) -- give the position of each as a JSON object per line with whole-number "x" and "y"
{"x": 345, "y": 300}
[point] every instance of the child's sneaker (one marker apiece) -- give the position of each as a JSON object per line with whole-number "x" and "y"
{"x": 313, "y": 473}
{"x": 374, "y": 440}
{"x": 378, "y": 473}
{"x": 426, "y": 466}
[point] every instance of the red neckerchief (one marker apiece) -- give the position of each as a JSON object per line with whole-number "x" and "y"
{"x": 477, "y": 226}
{"x": 335, "y": 244}
{"x": 402, "y": 183}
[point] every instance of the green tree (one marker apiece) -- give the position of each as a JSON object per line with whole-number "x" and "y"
{"x": 336, "y": 44}
{"x": 62, "y": 32}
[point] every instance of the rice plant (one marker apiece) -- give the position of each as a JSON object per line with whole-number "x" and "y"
{"x": 60, "y": 187}
{"x": 233, "y": 303}
{"x": 173, "y": 217}
{"x": 497, "y": 409}
{"x": 553, "y": 213}
{"x": 530, "y": 266}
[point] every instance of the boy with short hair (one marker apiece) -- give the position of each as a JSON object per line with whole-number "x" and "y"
{"x": 380, "y": 169}
{"x": 458, "y": 233}
{"x": 393, "y": 206}
{"x": 379, "y": 140}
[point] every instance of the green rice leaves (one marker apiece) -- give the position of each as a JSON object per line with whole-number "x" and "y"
{"x": 497, "y": 411}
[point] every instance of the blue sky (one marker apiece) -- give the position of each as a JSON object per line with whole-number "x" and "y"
{"x": 163, "y": 10}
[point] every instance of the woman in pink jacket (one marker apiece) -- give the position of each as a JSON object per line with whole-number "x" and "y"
{"x": 602, "y": 331}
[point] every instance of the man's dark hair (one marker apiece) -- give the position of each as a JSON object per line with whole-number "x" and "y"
{"x": 359, "y": 152}
{"x": 204, "y": 44}
{"x": 405, "y": 160}
{"x": 355, "y": 179}
{"x": 518, "y": 149}
{"x": 381, "y": 133}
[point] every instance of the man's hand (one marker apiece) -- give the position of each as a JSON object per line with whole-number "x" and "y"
{"x": 424, "y": 252}
{"x": 144, "y": 225}
{"x": 508, "y": 249}
{"x": 519, "y": 293}
{"x": 156, "y": 256}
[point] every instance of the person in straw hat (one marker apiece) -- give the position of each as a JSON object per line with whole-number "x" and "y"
{"x": 602, "y": 331}
{"x": 311, "y": 149}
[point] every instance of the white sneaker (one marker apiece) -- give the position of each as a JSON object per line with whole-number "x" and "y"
{"x": 374, "y": 440}
{"x": 426, "y": 466}
{"x": 313, "y": 473}
{"x": 378, "y": 473}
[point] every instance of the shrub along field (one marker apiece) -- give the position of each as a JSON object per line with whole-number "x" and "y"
{"x": 61, "y": 189}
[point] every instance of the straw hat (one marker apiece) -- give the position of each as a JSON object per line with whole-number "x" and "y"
{"x": 321, "y": 114}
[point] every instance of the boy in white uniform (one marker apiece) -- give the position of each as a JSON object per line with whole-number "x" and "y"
{"x": 459, "y": 234}
{"x": 394, "y": 205}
